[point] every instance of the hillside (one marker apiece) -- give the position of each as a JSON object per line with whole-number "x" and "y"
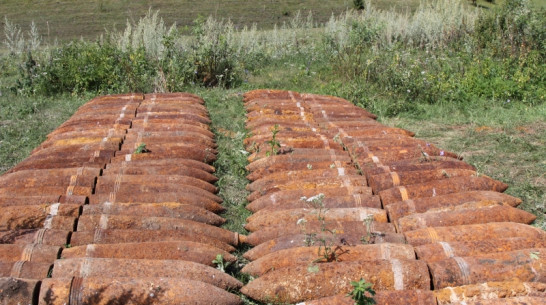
{"x": 70, "y": 19}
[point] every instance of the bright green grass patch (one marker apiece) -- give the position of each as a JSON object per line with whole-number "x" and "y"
{"x": 25, "y": 122}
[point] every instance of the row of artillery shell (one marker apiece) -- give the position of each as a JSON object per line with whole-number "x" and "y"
{"x": 288, "y": 235}
{"x": 152, "y": 217}
{"x": 467, "y": 213}
{"x": 41, "y": 198}
{"x": 148, "y": 234}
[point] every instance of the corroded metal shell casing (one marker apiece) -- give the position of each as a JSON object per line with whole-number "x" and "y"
{"x": 387, "y": 180}
{"x": 180, "y": 196}
{"x": 331, "y": 202}
{"x": 29, "y": 252}
{"x": 296, "y": 284}
{"x": 471, "y": 213}
{"x": 205, "y": 234}
{"x": 138, "y": 268}
{"x": 420, "y": 205}
{"x": 444, "y": 250}
{"x": 291, "y": 195}
{"x": 50, "y": 237}
{"x": 525, "y": 265}
{"x": 340, "y": 227}
{"x": 415, "y": 164}
{"x": 485, "y": 231}
{"x": 387, "y": 297}
{"x": 305, "y": 256}
{"x": 165, "y": 209}
{"x": 107, "y": 183}
{"x": 15, "y": 291}
{"x": 303, "y": 240}
{"x": 179, "y": 170}
{"x": 326, "y": 163}
{"x": 25, "y": 269}
{"x": 440, "y": 187}
{"x": 127, "y": 161}
{"x": 152, "y": 291}
{"x": 490, "y": 291}
{"x": 294, "y": 175}
{"x": 268, "y": 218}
{"x": 310, "y": 183}
{"x": 179, "y": 250}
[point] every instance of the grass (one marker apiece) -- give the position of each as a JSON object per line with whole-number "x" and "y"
{"x": 71, "y": 19}
{"x": 25, "y": 122}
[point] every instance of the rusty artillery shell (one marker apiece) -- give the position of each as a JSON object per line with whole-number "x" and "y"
{"x": 130, "y": 190}
{"x": 484, "y": 231}
{"x": 331, "y": 155}
{"x": 162, "y": 170}
{"x": 296, "y": 284}
{"x": 92, "y": 132}
{"x": 310, "y": 183}
{"x": 35, "y": 236}
{"x": 303, "y": 240}
{"x": 138, "y": 268}
{"x": 484, "y": 212}
{"x": 292, "y": 195}
{"x": 39, "y": 253}
{"x": 299, "y": 166}
{"x": 151, "y": 291}
{"x": 354, "y": 131}
{"x": 39, "y": 216}
{"x": 222, "y": 241}
{"x": 178, "y": 197}
{"x": 106, "y": 183}
{"x": 122, "y": 125}
{"x": 194, "y": 151}
{"x": 14, "y": 199}
{"x": 14, "y": 291}
{"x": 506, "y": 301}
{"x": 489, "y": 291}
{"x": 65, "y": 176}
{"x": 440, "y": 187}
{"x": 46, "y": 190}
{"x": 25, "y": 269}
{"x": 78, "y": 142}
{"x": 129, "y": 162}
{"x": 122, "y": 222}
{"x": 420, "y": 205}
{"x": 140, "y": 126}
{"x": 268, "y": 218}
{"x": 387, "y": 180}
{"x": 350, "y": 227}
{"x": 305, "y": 256}
{"x": 332, "y": 202}
{"x": 134, "y": 140}
{"x": 187, "y": 115}
{"x": 383, "y": 297}
{"x": 288, "y": 176}
{"x": 416, "y": 164}
{"x": 165, "y": 209}
{"x": 525, "y": 265}
{"x": 444, "y": 250}
{"x": 98, "y": 162}
{"x": 179, "y": 250}
{"x": 190, "y": 153}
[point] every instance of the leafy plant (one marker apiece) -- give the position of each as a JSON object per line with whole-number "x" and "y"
{"x": 362, "y": 293}
{"x": 274, "y": 144}
{"x": 368, "y": 238}
{"x": 141, "y": 149}
{"x": 220, "y": 263}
